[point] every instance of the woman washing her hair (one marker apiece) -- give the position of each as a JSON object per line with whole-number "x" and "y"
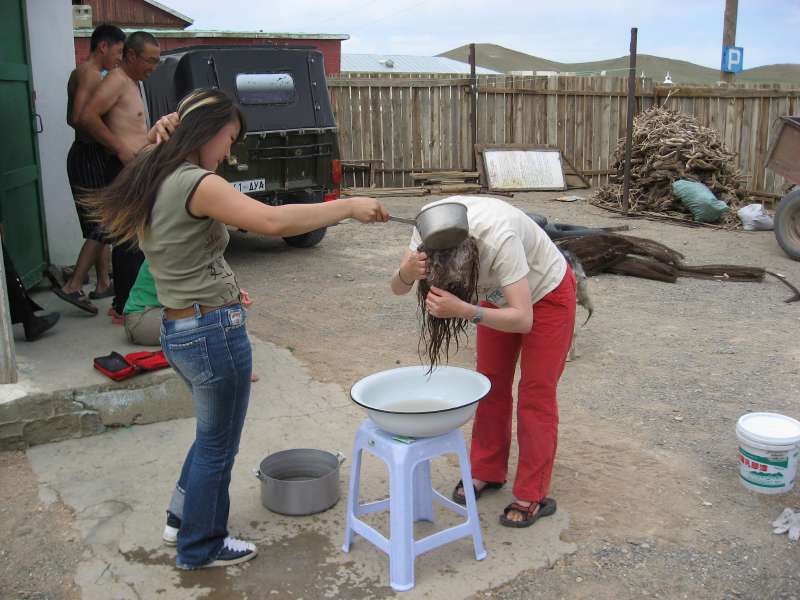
{"x": 527, "y": 311}
{"x": 170, "y": 201}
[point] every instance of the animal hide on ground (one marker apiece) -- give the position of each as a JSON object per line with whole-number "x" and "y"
{"x": 640, "y": 257}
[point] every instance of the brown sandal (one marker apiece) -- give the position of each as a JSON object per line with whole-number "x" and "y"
{"x": 462, "y": 499}
{"x": 530, "y": 514}
{"x": 76, "y": 299}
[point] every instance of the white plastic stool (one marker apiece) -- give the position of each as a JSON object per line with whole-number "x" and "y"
{"x": 411, "y": 497}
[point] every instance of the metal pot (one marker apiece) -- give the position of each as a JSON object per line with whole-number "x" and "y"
{"x": 440, "y": 226}
{"x": 300, "y": 481}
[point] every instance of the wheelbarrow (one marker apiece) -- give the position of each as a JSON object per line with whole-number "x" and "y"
{"x": 783, "y": 159}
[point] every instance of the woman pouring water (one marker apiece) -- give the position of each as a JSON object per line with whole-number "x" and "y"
{"x": 508, "y": 278}
{"x": 170, "y": 201}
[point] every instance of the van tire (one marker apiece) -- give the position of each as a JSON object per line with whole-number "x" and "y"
{"x": 306, "y": 240}
{"x": 787, "y": 224}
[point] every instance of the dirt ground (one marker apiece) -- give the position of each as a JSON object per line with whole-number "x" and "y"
{"x": 646, "y": 464}
{"x": 39, "y": 549}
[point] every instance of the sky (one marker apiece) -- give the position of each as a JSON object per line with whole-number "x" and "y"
{"x": 559, "y": 30}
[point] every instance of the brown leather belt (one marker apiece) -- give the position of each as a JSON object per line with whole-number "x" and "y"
{"x": 173, "y": 314}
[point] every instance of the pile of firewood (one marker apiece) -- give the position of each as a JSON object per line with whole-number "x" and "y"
{"x": 668, "y": 146}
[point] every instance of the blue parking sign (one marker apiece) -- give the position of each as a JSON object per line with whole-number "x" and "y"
{"x": 732, "y": 59}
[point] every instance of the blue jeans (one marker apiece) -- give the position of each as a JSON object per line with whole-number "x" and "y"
{"x": 212, "y": 354}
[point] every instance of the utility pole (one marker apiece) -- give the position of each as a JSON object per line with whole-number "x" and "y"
{"x": 8, "y": 361}
{"x": 626, "y": 181}
{"x": 729, "y": 32}
{"x": 473, "y": 101}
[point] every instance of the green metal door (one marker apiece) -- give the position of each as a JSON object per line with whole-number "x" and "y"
{"x": 21, "y": 211}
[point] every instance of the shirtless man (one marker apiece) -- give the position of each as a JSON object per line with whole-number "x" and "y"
{"x": 115, "y": 117}
{"x": 85, "y": 165}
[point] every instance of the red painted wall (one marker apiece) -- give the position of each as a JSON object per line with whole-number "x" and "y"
{"x": 133, "y": 13}
{"x": 331, "y": 49}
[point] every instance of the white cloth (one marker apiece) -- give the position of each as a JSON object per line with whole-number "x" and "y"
{"x": 788, "y": 521}
{"x": 510, "y": 246}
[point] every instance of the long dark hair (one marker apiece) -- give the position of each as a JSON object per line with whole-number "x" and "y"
{"x": 123, "y": 208}
{"x": 456, "y": 271}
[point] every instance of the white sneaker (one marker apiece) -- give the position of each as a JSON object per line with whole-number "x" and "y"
{"x": 170, "y": 535}
{"x": 234, "y": 552}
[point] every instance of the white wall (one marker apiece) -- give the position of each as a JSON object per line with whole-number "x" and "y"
{"x": 52, "y": 60}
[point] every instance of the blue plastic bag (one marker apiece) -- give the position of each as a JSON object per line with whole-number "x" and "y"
{"x": 701, "y": 201}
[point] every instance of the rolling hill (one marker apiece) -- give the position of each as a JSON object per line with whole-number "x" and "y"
{"x": 505, "y": 60}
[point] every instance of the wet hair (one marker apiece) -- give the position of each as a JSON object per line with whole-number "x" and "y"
{"x": 111, "y": 34}
{"x": 123, "y": 208}
{"x": 137, "y": 41}
{"x": 456, "y": 271}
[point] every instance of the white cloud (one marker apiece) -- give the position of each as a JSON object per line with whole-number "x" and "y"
{"x": 560, "y": 30}
{"x": 424, "y": 44}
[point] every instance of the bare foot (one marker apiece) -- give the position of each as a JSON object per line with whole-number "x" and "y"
{"x": 479, "y": 485}
{"x": 515, "y": 515}
{"x": 71, "y": 289}
{"x": 98, "y": 292}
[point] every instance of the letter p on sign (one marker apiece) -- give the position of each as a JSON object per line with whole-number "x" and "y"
{"x": 732, "y": 59}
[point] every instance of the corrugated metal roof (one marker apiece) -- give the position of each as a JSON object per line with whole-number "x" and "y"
{"x": 405, "y": 63}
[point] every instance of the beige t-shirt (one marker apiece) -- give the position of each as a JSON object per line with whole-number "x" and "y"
{"x": 186, "y": 253}
{"x": 510, "y": 246}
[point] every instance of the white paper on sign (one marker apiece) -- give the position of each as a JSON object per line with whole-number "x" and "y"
{"x": 510, "y": 170}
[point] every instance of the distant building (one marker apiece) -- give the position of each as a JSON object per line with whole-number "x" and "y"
{"x": 405, "y": 63}
{"x": 542, "y": 73}
{"x": 170, "y": 27}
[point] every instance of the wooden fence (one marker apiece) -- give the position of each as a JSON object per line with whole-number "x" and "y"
{"x": 415, "y": 123}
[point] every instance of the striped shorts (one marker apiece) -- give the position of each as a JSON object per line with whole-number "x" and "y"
{"x": 87, "y": 165}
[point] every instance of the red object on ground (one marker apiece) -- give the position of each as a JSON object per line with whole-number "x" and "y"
{"x": 118, "y": 367}
{"x": 147, "y": 361}
{"x": 114, "y": 366}
{"x": 543, "y": 354}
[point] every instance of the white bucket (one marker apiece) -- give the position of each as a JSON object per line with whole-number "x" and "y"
{"x": 768, "y": 450}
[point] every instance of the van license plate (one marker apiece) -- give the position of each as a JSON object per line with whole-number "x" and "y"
{"x": 250, "y": 186}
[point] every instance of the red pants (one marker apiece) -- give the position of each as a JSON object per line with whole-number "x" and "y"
{"x": 542, "y": 352}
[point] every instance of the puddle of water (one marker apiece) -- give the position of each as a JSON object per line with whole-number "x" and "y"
{"x": 296, "y": 566}
{"x": 300, "y": 566}
{"x": 217, "y": 584}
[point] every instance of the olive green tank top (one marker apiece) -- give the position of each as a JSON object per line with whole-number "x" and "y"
{"x": 186, "y": 253}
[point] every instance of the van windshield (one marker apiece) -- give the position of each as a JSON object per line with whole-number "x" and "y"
{"x": 265, "y": 88}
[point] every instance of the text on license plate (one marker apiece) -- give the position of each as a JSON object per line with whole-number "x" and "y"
{"x": 250, "y": 186}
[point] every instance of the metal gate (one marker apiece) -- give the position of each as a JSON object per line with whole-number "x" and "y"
{"x": 21, "y": 210}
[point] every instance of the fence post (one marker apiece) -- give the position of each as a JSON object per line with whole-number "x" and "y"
{"x": 626, "y": 186}
{"x": 473, "y": 107}
{"x": 8, "y": 361}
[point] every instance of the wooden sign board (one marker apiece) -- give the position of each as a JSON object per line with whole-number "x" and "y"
{"x": 519, "y": 168}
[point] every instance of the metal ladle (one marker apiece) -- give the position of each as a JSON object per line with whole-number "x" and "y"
{"x": 441, "y": 226}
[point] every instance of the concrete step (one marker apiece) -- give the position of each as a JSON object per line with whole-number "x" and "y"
{"x": 59, "y": 395}
{"x": 29, "y": 419}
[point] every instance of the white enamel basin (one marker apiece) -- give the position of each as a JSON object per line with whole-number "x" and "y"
{"x": 408, "y": 401}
